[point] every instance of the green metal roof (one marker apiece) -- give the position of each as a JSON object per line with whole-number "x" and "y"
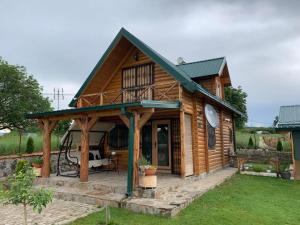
{"x": 144, "y": 104}
{"x": 203, "y": 68}
{"x": 171, "y": 68}
{"x": 289, "y": 117}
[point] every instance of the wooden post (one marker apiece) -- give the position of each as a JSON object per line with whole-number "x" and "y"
{"x": 182, "y": 142}
{"x": 205, "y": 138}
{"x": 85, "y": 125}
{"x": 47, "y": 127}
{"x": 101, "y": 98}
{"x": 222, "y": 137}
{"x": 136, "y": 149}
{"x": 195, "y": 137}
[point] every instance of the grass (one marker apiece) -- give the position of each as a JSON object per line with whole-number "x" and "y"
{"x": 247, "y": 200}
{"x": 9, "y": 143}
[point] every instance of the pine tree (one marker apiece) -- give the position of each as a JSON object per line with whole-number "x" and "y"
{"x": 250, "y": 143}
{"x": 30, "y": 145}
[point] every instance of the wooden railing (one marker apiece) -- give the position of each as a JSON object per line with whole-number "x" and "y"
{"x": 159, "y": 92}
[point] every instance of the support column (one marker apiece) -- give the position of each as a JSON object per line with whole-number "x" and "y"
{"x": 85, "y": 125}
{"x": 47, "y": 127}
{"x": 182, "y": 142}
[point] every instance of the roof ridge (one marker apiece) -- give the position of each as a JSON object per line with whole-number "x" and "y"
{"x": 298, "y": 105}
{"x": 223, "y": 57}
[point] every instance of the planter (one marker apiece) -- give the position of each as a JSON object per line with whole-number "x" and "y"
{"x": 285, "y": 175}
{"x": 148, "y": 181}
{"x": 150, "y": 171}
{"x": 37, "y": 171}
{"x": 35, "y": 165}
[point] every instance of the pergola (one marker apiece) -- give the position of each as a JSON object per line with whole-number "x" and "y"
{"x": 133, "y": 114}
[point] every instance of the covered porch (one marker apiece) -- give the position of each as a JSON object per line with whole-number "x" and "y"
{"x": 135, "y": 116}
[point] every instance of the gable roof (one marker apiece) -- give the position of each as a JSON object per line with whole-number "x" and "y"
{"x": 203, "y": 68}
{"x": 289, "y": 117}
{"x": 179, "y": 74}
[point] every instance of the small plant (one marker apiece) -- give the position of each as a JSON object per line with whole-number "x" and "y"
{"x": 250, "y": 143}
{"x": 30, "y": 145}
{"x": 20, "y": 190}
{"x": 143, "y": 161}
{"x": 279, "y": 146}
{"x": 146, "y": 168}
{"x": 258, "y": 168}
{"x": 37, "y": 162}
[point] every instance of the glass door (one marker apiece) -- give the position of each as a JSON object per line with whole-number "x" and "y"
{"x": 161, "y": 144}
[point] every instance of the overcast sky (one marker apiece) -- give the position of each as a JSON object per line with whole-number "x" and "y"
{"x": 59, "y": 42}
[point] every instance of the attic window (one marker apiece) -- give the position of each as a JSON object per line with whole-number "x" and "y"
{"x": 136, "y": 81}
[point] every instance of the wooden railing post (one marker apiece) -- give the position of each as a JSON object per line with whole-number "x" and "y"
{"x": 47, "y": 127}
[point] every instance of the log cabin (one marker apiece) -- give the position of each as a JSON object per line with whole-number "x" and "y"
{"x": 174, "y": 116}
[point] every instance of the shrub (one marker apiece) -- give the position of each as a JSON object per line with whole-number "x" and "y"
{"x": 21, "y": 166}
{"x": 30, "y": 145}
{"x": 258, "y": 168}
{"x": 279, "y": 146}
{"x": 250, "y": 143}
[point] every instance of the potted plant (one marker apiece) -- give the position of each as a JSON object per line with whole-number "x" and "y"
{"x": 37, "y": 164}
{"x": 146, "y": 168}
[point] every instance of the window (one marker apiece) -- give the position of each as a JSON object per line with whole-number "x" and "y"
{"x": 230, "y": 135}
{"x": 211, "y": 133}
{"x": 118, "y": 137}
{"x": 136, "y": 81}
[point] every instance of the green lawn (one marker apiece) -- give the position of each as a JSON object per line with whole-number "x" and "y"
{"x": 9, "y": 143}
{"x": 241, "y": 200}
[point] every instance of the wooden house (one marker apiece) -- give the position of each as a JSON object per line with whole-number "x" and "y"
{"x": 289, "y": 122}
{"x": 158, "y": 109}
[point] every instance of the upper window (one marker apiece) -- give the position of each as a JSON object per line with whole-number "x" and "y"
{"x": 136, "y": 81}
{"x": 211, "y": 134}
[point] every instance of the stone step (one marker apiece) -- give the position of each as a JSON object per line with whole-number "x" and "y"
{"x": 94, "y": 197}
{"x": 86, "y": 186}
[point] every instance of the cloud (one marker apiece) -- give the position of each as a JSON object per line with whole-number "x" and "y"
{"x": 61, "y": 41}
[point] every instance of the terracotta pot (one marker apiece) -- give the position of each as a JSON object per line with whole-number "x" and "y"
{"x": 37, "y": 165}
{"x": 150, "y": 171}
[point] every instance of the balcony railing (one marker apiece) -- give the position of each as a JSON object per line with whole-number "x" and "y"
{"x": 159, "y": 92}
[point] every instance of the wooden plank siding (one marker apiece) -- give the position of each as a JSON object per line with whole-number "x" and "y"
{"x": 112, "y": 91}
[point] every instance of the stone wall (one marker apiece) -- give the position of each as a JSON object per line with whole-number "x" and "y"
{"x": 8, "y": 163}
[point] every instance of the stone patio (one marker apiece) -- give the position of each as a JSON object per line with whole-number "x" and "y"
{"x": 57, "y": 212}
{"x": 109, "y": 188}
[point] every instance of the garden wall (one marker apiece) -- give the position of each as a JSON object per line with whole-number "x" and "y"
{"x": 8, "y": 163}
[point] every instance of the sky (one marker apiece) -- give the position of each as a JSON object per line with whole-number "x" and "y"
{"x": 60, "y": 41}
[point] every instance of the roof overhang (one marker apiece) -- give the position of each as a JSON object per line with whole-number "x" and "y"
{"x": 107, "y": 109}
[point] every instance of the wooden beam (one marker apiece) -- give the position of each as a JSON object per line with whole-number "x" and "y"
{"x": 47, "y": 127}
{"x": 221, "y": 117}
{"x": 143, "y": 120}
{"x": 182, "y": 142}
{"x": 136, "y": 150}
{"x": 195, "y": 137}
{"x": 125, "y": 120}
{"x": 205, "y": 137}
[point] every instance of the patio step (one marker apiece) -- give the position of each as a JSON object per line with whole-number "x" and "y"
{"x": 95, "y": 197}
{"x": 86, "y": 186}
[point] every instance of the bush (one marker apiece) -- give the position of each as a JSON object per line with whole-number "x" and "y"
{"x": 258, "y": 168}
{"x": 21, "y": 166}
{"x": 250, "y": 143}
{"x": 30, "y": 145}
{"x": 279, "y": 146}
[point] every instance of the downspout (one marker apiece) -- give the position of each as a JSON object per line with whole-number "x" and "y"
{"x": 130, "y": 116}
{"x": 233, "y": 133}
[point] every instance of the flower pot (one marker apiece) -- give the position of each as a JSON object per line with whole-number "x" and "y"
{"x": 285, "y": 175}
{"x": 150, "y": 171}
{"x": 37, "y": 171}
{"x": 35, "y": 165}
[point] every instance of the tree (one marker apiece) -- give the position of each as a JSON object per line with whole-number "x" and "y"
{"x": 20, "y": 190}
{"x": 20, "y": 93}
{"x": 238, "y": 98}
{"x": 29, "y": 145}
{"x": 279, "y": 146}
{"x": 250, "y": 143}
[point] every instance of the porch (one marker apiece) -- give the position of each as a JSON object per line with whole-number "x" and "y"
{"x": 108, "y": 188}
